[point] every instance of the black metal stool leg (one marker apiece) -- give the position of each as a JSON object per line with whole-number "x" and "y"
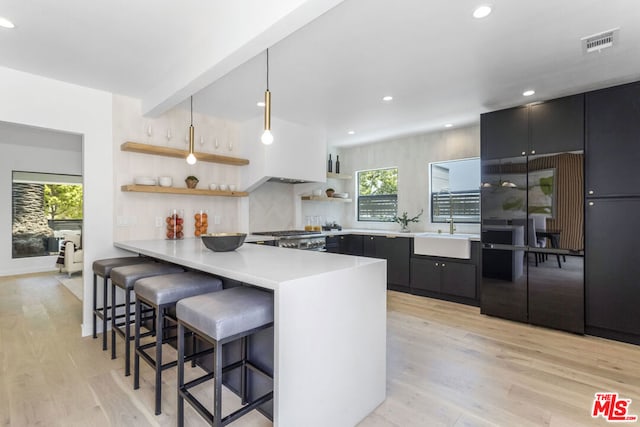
{"x": 113, "y": 320}
{"x": 127, "y": 334}
{"x": 180, "y": 412}
{"x": 136, "y": 344}
{"x": 217, "y": 399}
{"x": 158, "y": 364}
{"x": 95, "y": 306}
{"x": 105, "y": 316}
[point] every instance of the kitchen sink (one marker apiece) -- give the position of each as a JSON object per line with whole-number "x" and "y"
{"x": 443, "y": 245}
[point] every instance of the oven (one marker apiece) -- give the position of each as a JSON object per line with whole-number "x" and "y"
{"x": 297, "y": 239}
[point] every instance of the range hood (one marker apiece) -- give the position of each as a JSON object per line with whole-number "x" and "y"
{"x": 296, "y": 156}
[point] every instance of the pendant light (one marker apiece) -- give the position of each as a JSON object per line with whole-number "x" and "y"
{"x": 267, "y": 136}
{"x": 191, "y": 158}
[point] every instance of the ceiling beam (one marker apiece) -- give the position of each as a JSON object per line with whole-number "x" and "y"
{"x": 237, "y": 40}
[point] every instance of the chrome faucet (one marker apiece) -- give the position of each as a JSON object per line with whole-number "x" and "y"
{"x": 452, "y": 227}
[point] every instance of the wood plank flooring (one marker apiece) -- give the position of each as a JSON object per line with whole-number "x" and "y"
{"x": 447, "y": 366}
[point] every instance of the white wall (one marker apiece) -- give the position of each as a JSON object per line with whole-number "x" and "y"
{"x": 136, "y": 213}
{"x": 30, "y": 159}
{"x": 411, "y": 155}
{"x": 36, "y": 101}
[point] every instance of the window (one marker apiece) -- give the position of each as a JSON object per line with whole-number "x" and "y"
{"x": 45, "y": 206}
{"x": 378, "y": 195}
{"x": 455, "y": 191}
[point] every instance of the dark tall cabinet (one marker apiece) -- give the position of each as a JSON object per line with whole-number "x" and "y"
{"x": 612, "y": 212}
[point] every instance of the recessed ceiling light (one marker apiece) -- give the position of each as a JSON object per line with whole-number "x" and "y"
{"x": 482, "y": 12}
{"x": 260, "y": 103}
{"x": 5, "y": 23}
{"x": 387, "y": 98}
{"x": 448, "y": 125}
{"x": 528, "y": 92}
{"x": 351, "y": 132}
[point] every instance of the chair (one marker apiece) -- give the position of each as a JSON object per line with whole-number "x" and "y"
{"x": 219, "y": 318}
{"x": 73, "y": 254}
{"x": 540, "y": 224}
{"x": 531, "y": 239}
{"x": 162, "y": 293}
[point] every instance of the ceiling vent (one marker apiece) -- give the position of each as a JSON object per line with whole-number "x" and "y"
{"x": 597, "y": 42}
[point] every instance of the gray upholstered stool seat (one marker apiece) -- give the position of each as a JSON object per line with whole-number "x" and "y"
{"x": 125, "y": 277}
{"x": 162, "y": 293}
{"x": 102, "y": 268}
{"x": 219, "y": 318}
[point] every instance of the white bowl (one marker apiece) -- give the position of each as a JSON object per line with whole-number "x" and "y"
{"x": 232, "y": 187}
{"x": 341, "y": 195}
{"x": 224, "y": 187}
{"x": 213, "y": 187}
{"x": 165, "y": 181}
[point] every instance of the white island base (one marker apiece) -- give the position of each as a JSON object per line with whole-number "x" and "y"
{"x": 329, "y": 329}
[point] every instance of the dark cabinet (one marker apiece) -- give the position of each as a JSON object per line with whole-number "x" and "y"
{"x": 612, "y": 141}
{"x": 508, "y": 132}
{"x": 397, "y": 251}
{"x": 332, "y": 244}
{"x": 348, "y": 244}
{"x": 444, "y": 276}
{"x": 547, "y": 127}
{"x": 612, "y": 261}
{"x": 557, "y": 125}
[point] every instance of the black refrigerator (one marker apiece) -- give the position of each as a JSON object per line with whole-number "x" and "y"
{"x": 532, "y": 213}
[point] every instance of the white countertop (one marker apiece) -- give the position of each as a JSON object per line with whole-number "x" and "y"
{"x": 260, "y": 265}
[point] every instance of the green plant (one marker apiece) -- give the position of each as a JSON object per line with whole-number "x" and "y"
{"x": 192, "y": 178}
{"x": 404, "y": 219}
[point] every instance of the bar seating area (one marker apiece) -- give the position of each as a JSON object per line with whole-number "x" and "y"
{"x": 171, "y": 305}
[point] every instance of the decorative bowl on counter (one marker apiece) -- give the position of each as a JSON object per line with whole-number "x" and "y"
{"x": 223, "y": 242}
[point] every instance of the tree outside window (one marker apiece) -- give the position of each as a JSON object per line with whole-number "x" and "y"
{"x": 378, "y": 195}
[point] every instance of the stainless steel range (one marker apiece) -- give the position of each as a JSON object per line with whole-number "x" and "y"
{"x": 297, "y": 239}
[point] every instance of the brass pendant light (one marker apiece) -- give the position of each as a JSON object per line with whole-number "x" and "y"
{"x": 191, "y": 158}
{"x": 267, "y": 136}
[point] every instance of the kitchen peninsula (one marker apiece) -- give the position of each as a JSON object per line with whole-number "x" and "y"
{"x": 330, "y": 324}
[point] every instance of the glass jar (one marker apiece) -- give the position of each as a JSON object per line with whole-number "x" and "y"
{"x": 308, "y": 224}
{"x": 175, "y": 224}
{"x": 201, "y": 222}
{"x": 317, "y": 223}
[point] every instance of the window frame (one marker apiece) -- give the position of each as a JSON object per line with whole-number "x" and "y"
{"x": 463, "y": 197}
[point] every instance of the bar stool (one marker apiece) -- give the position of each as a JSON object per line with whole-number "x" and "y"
{"x": 102, "y": 268}
{"x": 219, "y": 318}
{"x": 124, "y": 278}
{"x": 162, "y": 293}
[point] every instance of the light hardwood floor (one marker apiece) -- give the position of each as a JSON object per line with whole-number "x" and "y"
{"x": 447, "y": 365}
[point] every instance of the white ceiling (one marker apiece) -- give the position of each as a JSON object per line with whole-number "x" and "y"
{"x": 440, "y": 64}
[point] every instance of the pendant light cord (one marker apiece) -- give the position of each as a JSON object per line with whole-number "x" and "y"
{"x": 191, "y": 110}
{"x": 267, "y": 69}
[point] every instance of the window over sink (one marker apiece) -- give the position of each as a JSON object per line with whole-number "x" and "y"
{"x": 455, "y": 191}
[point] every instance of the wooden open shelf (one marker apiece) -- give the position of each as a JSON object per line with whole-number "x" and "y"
{"x": 178, "y": 190}
{"x": 326, "y": 199}
{"x": 157, "y": 150}
{"x": 338, "y": 175}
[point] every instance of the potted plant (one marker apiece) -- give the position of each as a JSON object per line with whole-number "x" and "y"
{"x": 191, "y": 181}
{"x": 329, "y": 192}
{"x": 404, "y": 220}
